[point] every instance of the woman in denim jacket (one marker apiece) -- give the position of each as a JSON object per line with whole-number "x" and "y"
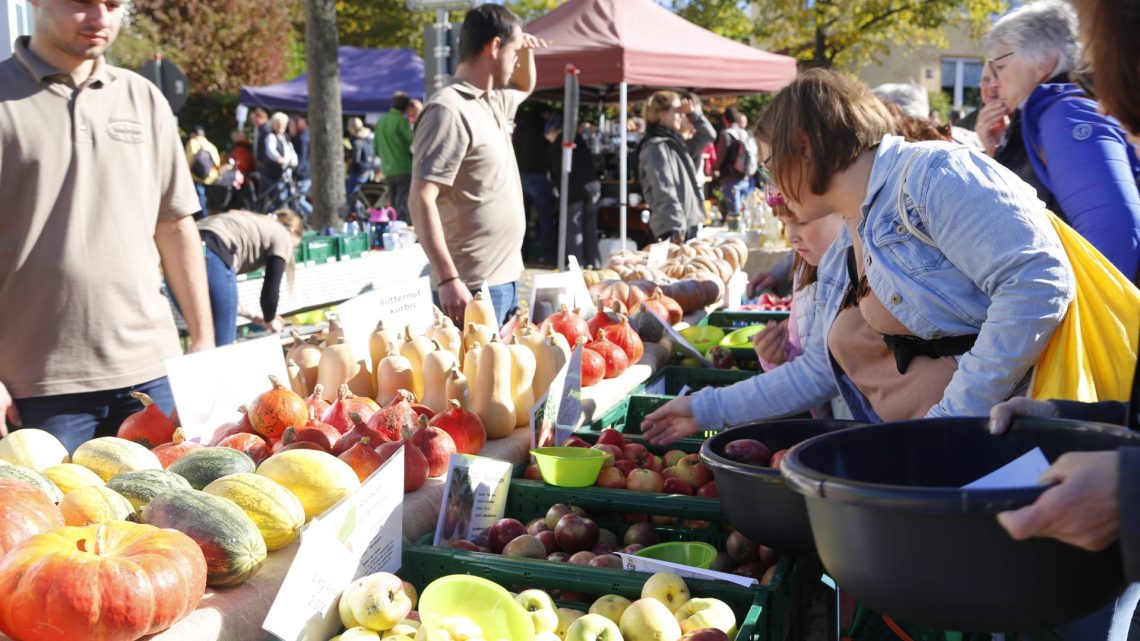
{"x": 968, "y": 287}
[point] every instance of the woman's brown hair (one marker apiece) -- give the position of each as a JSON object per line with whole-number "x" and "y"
{"x": 296, "y": 226}
{"x": 658, "y": 104}
{"x": 838, "y": 117}
{"x": 1109, "y": 30}
{"x": 804, "y": 272}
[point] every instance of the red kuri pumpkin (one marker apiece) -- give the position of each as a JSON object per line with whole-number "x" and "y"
{"x": 148, "y": 427}
{"x": 276, "y": 409}
{"x": 178, "y": 447}
{"x": 112, "y": 581}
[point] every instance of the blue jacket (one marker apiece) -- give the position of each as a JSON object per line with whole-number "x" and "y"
{"x": 997, "y": 270}
{"x": 1083, "y": 158}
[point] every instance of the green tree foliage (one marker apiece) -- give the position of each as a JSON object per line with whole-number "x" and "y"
{"x": 530, "y": 9}
{"x": 847, "y": 34}
{"x": 219, "y": 44}
{"x": 383, "y": 23}
{"x": 728, "y": 18}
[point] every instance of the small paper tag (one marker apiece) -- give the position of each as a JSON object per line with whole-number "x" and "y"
{"x": 634, "y": 563}
{"x": 1024, "y": 471}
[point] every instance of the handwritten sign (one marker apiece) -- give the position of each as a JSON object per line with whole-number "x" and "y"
{"x": 474, "y": 497}
{"x": 400, "y": 305}
{"x": 360, "y": 535}
{"x": 209, "y": 386}
{"x": 633, "y": 563}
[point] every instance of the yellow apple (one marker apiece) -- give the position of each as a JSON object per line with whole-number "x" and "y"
{"x": 706, "y": 613}
{"x": 457, "y": 628}
{"x": 402, "y": 629}
{"x": 593, "y": 627}
{"x": 359, "y": 633}
{"x": 541, "y": 609}
{"x": 547, "y": 636}
{"x": 345, "y": 610}
{"x": 610, "y": 606}
{"x": 378, "y": 601}
{"x": 668, "y": 588}
{"x": 566, "y": 616}
{"x": 410, "y": 590}
{"x": 649, "y": 620}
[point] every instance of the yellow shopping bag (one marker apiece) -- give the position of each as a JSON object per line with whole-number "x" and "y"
{"x": 1092, "y": 355}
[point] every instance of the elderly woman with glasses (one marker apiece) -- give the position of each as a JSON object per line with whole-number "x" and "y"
{"x": 1078, "y": 160}
{"x": 668, "y": 177}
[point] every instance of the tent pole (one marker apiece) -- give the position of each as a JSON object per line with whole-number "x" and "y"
{"x": 569, "y": 132}
{"x": 623, "y": 170}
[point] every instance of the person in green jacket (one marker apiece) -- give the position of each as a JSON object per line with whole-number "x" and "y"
{"x": 393, "y": 143}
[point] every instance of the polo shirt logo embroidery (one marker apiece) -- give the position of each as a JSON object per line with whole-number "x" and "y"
{"x": 126, "y": 131}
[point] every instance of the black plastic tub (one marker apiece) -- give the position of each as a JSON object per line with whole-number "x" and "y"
{"x": 894, "y": 529}
{"x": 756, "y": 499}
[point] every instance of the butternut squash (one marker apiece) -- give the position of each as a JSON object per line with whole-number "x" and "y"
{"x": 491, "y": 396}
{"x": 392, "y": 375}
{"x": 477, "y": 333}
{"x": 296, "y": 382}
{"x": 456, "y": 387}
{"x": 450, "y": 338}
{"x": 549, "y": 359}
{"x": 415, "y": 348}
{"x": 338, "y": 366}
{"x": 335, "y": 331}
{"x": 559, "y": 342}
{"x": 436, "y": 366}
{"x": 479, "y": 310}
{"x": 522, "y": 380}
{"x": 471, "y": 363}
{"x": 380, "y": 344}
{"x": 307, "y": 355}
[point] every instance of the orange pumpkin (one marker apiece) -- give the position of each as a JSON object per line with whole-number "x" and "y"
{"x": 113, "y": 581}
{"x": 178, "y": 447}
{"x": 148, "y": 427}
{"x": 276, "y": 409}
{"x": 24, "y": 512}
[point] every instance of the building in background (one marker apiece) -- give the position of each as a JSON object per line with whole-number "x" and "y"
{"x": 15, "y": 21}
{"x": 954, "y": 70}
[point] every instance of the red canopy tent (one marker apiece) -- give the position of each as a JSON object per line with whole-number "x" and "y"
{"x": 624, "y": 47}
{"x": 648, "y": 47}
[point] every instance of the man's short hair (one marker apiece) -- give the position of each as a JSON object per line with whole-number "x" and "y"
{"x": 260, "y": 111}
{"x": 731, "y": 115}
{"x": 400, "y": 101}
{"x": 482, "y": 25}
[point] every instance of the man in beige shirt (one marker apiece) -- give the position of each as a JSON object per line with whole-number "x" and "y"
{"x": 97, "y": 208}
{"x": 466, "y": 197}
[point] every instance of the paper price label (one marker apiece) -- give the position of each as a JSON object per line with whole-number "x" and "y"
{"x": 652, "y": 566}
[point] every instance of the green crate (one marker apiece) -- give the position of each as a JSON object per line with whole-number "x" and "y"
{"x": 627, "y": 414}
{"x": 736, "y": 319}
{"x": 351, "y": 245}
{"x": 422, "y": 564}
{"x": 670, "y": 380}
{"x": 686, "y": 445}
{"x": 319, "y": 249}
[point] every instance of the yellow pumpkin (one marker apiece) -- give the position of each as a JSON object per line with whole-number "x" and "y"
{"x": 33, "y": 449}
{"x": 109, "y": 456}
{"x": 276, "y": 512}
{"x": 95, "y": 504}
{"x": 69, "y": 476}
{"x": 318, "y": 479}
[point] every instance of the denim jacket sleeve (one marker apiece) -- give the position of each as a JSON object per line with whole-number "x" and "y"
{"x": 999, "y": 238}
{"x": 793, "y": 387}
{"x": 1088, "y": 165}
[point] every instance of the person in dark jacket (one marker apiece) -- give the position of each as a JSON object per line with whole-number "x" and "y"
{"x": 359, "y": 167}
{"x": 1078, "y": 159}
{"x": 668, "y": 178}
{"x": 582, "y": 194}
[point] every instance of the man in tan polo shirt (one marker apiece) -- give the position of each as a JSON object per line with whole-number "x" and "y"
{"x": 466, "y": 197}
{"x": 96, "y": 196}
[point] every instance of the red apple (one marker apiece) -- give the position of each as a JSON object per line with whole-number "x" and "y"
{"x": 558, "y": 557}
{"x": 663, "y": 520}
{"x": 548, "y": 541}
{"x": 637, "y": 453}
{"x": 767, "y": 554}
{"x": 503, "y": 532}
{"x": 612, "y": 454}
{"x": 532, "y": 472}
{"x": 556, "y": 511}
{"x": 722, "y": 562}
{"x": 536, "y": 525}
{"x": 611, "y": 477}
{"x": 607, "y": 536}
{"x": 644, "y": 481}
{"x": 654, "y": 462}
{"x": 721, "y": 357}
{"x": 748, "y": 451}
{"x": 669, "y": 473}
{"x": 633, "y": 548}
{"x": 741, "y": 549}
{"x": 576, "y": 533}
{"x": 574, "y": 441}
{"x": 462, "y": 544}
{"x": 603, "y": 548}
{"x": 672, "y": 456}
{"x": 767, "y": 576}
{"x": 606, "y": 561}
{"x": 778, "y": 458}
{"x": 705, "y": 634}
{"x": 677, "y": 486}
{"x": 755, "y": 569}
{"x": 694, "y": 524}
{"x": 692, "y": 471}
{"x": 708, "y": 489}
{"x": 610, "y": 436}
{"x": 641, "y": 534}
{"x": 625, "y": 466}
{"x": 581, "y": 558}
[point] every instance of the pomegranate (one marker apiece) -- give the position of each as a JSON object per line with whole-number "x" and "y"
{"x": 359, "y": 431}
{"x": 415, "y": 463}
{"x": 625, "y": 337}
{"x": 338, "y": 414}
{"x": 227, "y": 429}
{"x": 436, "y": 445}
{"x": 465, "y": 428}
{"x": 568, "y": 323}
{"x": 148, "y": 427}
{"x": 593, "y": 367}
{"x": 362, "y": 458}
{"x": 615, "y": 358}
{"x": 178, "y": 447}
{"x": 317, "y": 432}
{"x": 316, "y": 402}
{"x": 276, "y": 409}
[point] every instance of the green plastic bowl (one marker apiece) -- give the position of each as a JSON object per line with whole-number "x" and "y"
{"x": 742, "y": 337}
{"x": 691, "y": 553}
{"x": 569, "y": 466}
{"x": 703, "y": 337}
{"x": 487, "y": 604}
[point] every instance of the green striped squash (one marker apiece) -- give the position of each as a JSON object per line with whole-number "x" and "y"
{"x": 204, "y": 466}
{"x": 275, "y": 511}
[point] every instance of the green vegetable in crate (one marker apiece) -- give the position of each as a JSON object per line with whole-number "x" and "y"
{"x": 233, "y": 547}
